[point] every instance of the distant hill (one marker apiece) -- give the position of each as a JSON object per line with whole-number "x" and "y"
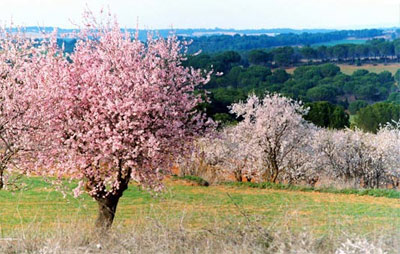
{"x": 195, "y": 32}
{"x": 218, "y": 43}
{"x": 218, "y": 39}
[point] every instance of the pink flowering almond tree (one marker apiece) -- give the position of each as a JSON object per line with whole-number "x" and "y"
{"x": 118, "y": 110}
{"x": 21, "y": 59}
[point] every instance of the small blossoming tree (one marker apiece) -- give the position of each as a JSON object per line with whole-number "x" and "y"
{"x": 223, "y": 151}
{"x": 275, "y": 134}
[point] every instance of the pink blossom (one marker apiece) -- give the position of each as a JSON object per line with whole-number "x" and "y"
{"x": 115, "y": 109}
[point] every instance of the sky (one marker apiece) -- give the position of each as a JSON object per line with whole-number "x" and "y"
{"x": 239, "y": 14}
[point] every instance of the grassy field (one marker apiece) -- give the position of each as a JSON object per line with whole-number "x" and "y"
{"x": 349, "y": 69}
{"x": 43, "y": 209}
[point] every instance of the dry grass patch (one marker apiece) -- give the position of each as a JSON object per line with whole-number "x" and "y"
{"x": 349, "y": 69}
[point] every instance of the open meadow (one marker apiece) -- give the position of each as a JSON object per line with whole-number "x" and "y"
{"x": 35, "y": 217}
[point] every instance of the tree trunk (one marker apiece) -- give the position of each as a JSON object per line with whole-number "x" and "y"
{"x": 107, "y": 210}
{"x": 108, "y": 201}
{"x": 108, "y": 205}
{"x": 275, "y": 171}
{"x": 249, "y": 178}
{"x": 1, "y": 179}
{"x": 238, "y": 175}
{"x": 274, "y": 177}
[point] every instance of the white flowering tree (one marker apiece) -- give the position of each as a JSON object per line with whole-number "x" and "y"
{"x": 221, "y": 151}
{"x": 387, "y": 151}
{"x": 369, "y": 160}
{"x": 275, "y": 134}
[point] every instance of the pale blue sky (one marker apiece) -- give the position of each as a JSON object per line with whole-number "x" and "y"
{"x": 155, "y": 14}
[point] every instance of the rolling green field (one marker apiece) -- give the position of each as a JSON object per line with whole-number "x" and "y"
{"x": 43, "y": 209}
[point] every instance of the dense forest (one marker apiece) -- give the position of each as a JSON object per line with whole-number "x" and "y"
{"x": 373, "y": 51}
{"x": 376, "y": 50}
{"x": 330, "y": 94}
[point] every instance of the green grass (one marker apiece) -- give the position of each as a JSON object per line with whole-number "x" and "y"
{"x": 388, "y": 193}
{"x": 40, "y": 207}
{"x": 195, "y": 179}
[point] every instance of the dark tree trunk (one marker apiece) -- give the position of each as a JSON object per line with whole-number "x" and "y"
{"x": 108, "y": 202}
{"x": 313, "y": 181}
{"x": 275, "y": 171}
{"x": 274, "y": 177}
{"x": 378, "y": 179}
{"x": 107, "y": 210}
{"x": 238, "y": 175}
{"x": 1, "y": 179}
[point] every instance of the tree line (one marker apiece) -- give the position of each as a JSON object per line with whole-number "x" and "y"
{"x": 218, "y": 43}
{"x": 375, "y": 51}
